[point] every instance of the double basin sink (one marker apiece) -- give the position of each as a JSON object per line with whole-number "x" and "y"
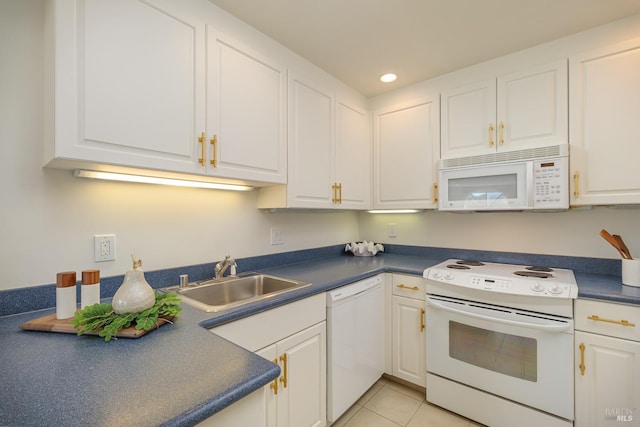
{"x": 227, "y": 292}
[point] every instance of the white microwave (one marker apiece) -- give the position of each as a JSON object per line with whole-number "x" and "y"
{"x": 535, "y": 184}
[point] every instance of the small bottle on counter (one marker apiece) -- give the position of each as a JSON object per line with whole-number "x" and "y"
{"x": 90, "y": 289}
{"x": 65, "y": 294}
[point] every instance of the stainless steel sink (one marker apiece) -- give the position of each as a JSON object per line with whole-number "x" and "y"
{"x": 220, "y": 294}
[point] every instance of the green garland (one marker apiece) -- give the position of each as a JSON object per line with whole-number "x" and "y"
{"x": 101, "y": 317}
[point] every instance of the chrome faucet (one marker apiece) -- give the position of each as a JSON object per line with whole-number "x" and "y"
{"x": 222, "y": 266}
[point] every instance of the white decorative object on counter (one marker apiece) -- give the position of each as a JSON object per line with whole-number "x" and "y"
{"x": 135, "y": 294}
{"x": 631, "y": 272}
{"x": 364, "y": 248}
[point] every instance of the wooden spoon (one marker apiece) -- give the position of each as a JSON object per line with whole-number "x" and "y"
{"x": 613, "y": 242}
{"x": 622, "y": 246}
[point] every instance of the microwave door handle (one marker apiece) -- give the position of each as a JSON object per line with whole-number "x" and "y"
{"x": 548, "y": 328}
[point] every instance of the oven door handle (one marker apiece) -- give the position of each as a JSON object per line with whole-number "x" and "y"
{"x": 563, "y": 327}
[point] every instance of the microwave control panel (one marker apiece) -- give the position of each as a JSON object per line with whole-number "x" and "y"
{"x": 551, "y": 183}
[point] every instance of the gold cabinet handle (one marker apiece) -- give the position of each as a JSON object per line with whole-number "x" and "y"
{"x": 201, "y": 139}
{"x": 340, "y": 193}
{"x": 576, "y": 182}
{"x": 214, "y": 151}
{"x": 491, "y": 128}
{"x": 334, "y": 187}
{"x": 501, "y": 127}
{"x": 435, "y": 192}
{"x": 582, "y": 367}
{"x": 422, "y": 312}
{"x": 411, "y": 288}
{"x": 616, "y": 322}
{"x": 283, "y": 378}
{"x": 274, "y": 383}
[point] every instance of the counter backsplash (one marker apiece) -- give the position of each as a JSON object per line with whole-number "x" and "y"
{"x": 20, "y": 300}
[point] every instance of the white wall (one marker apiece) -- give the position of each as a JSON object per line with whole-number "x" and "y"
{"x": 48, "y": 218}
{"x": 572, "y": 233}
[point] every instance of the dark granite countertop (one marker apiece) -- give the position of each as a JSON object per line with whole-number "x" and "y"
{"x": 180, "y": 374}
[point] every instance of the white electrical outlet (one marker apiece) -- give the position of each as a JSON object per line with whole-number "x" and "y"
{"x": 392, "y": 230}
{"x": 104, "y": 247}
{"x": 277, "y": 236}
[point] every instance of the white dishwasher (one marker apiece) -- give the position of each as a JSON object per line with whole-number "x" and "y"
{"x": 355, "y": 343}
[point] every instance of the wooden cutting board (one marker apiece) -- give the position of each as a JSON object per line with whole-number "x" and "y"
{"x": 51, "y": 324}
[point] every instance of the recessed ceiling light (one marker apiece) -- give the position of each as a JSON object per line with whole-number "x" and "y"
{"x": 388, "y": 78}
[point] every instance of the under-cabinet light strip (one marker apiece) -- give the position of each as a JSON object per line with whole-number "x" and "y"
{"x": 393, "y": 211}
{"x": 110, "y": 176}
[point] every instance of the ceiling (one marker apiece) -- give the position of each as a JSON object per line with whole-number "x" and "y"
{"x": 358, "y": 40}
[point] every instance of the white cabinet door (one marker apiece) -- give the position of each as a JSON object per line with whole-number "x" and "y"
{"x": 299, "y": 396}
{"x": 605, "y": 130}
{"x": 271, "y": 390}
{"x": 246, "y": 112}
{"x": 405, "y": 153}
{"x": 128, "y": 84}
{"x": 517, "y": 111}
{"x": 409, "y": 341}
{"x": 303, "y": 398}
{"x": 532, "y": 108}
{"x": 311, "y": 133}
{"x": 329, "y": 152}
{"x": 468, "y": 120}
{"x": 608, "y": 391}
{"x": 248, "y": 411}
{"x": 352, "y": 157}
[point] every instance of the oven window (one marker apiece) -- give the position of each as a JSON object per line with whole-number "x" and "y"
{"x": 499, "y": 352}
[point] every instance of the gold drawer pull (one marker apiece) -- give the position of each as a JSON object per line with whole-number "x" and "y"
{"x": 214, "y": 151}
{"x": 284, "y": 379}
{"x": 491, "y": 129}
{"x": 422, "y": 319}
{"x": 201, "y": 141}
{"x": 274, "y": 383}
{"x": 582, "y": 367}
{"x": 616, "y": 322}
{"x": 576, "y": 183}
{"x": 501, "y": 133}
{"x": 411, "y": 288}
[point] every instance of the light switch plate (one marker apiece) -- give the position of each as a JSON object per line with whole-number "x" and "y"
{"x": 277, "y": 236}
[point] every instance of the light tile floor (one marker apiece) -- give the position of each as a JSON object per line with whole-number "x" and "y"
{"x": 390, "y": 404}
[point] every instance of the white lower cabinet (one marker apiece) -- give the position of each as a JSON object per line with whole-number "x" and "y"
{"x": 249, "y": 411}
{"x": 408, "y": 329}
{"x": 607, "y": 364}
{"x": 298, "y": 396}
{"x": 294, "y": 337}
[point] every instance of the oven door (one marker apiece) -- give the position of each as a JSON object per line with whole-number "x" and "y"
{"x": 519, "y": 355}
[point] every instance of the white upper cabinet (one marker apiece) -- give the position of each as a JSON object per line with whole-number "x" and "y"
{"x": 329, "y": 151}
{"x": 516, "y": 111}
{"x": 311, "y": 148}
{"x": 246, "y": 112}
{"x": 148, "y": 84}
{"x": 605, "y": 130}
{"x": 405, "y": 154}
{"x": 352, "y": 156}
{"x": 129, "y": 84}
{"x": 468, "y": 120}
